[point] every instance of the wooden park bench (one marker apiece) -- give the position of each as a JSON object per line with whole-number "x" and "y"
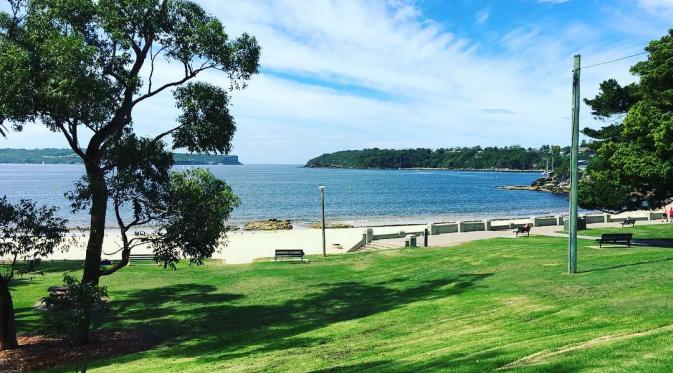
{"x": 289, "y": 254}
{"x": 141, "y": 258}
{"x": 615, "y": 238}
{"x": 524, "y": 229}
{"x": 629, "y": 221}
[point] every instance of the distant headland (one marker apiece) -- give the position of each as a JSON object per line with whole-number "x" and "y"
{"x": 508, "y": 158}
{"x": 67, "y": 156}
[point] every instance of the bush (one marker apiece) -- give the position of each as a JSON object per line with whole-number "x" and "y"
{"x": 66, "y": 310}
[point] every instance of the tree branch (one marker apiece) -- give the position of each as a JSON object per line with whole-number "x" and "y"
{"x": 189, "y": 74}
{"x": 123, "y": 113}
{"x": 126, "y": 253}
{"x": 72, "y": 141}
{"x": 126, "y": 249}
{"x": 12, "y": 267}
{"x": 153, "y": 56}
{"x": 163, "y": 134}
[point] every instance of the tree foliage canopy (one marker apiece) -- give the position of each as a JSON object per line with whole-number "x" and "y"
{"x": 76, "y": 63}
{"x": 194, "y": 221}
{"x": 27, "y": 233}
{"x": 634, "y": 164}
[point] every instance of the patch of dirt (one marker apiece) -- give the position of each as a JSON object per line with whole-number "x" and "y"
{"x": 37, "y": 352}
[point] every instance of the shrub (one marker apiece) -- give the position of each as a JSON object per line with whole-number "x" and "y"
{"x": 78, "y": 301}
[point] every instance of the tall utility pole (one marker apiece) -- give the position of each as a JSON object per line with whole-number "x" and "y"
{"x": 322, "y": 218}
{"x": 572, "y": 224}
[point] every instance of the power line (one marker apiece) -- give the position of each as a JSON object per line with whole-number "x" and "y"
{"x": 611, "y": 61}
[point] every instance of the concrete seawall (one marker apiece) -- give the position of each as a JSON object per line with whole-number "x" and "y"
{"x": 502, "y": 224}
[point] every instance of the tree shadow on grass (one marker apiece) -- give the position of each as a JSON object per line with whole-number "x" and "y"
{"x": 48, "y": 266}
{"x": 644, "y": 262}
{"x": 217, "y": 329}
{"x": 654, "y": 242}
{"x": 28, "y": 320}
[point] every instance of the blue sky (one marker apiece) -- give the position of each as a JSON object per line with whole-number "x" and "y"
{"x": 397, "y": 74}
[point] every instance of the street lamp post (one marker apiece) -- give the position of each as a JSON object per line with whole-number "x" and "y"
{"x": 322, "y": 218}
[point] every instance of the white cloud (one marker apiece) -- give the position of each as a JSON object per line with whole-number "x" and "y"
{"x": 656, "y": 4}
{"x": 658, "y": 8}
{"x": 446, "y": 92}
{"x": 436, "y": 89}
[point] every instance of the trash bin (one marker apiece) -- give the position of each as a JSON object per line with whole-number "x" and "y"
{"x": 410, "y": 240}
{"x": 581, "y": 224}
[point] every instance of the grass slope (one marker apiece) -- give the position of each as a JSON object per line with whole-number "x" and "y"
{"x": 501, "y": 303}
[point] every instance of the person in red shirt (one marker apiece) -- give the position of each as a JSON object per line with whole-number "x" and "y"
{"x": 670, "y": 213}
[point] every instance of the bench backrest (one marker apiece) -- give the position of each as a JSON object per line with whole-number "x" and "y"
{"x": 141, "y": 256}
{"x": 617, "y": 236}
{"x": 289, "y": 252}
{"x": 629, "y": 220}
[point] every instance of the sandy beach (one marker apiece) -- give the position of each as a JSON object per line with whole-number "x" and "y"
{"x": 246, "y": 246}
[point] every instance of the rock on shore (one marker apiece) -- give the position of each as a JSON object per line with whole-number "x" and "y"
{"x": 268, "y": 225}
{"x": 332, "y": 226}
{"x": 549, "y": 184}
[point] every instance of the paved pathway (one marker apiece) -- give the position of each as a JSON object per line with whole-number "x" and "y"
{"x": 451, "y": 239}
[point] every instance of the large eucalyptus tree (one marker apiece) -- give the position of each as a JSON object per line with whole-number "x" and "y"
{"x": 81, "y": 68}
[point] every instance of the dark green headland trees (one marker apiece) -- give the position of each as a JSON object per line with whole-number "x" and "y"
{"x": 634, "y": 163}
{"x": 27, "y": 234}
{"x": 81, "y": 68}
{"x": 514, "y": 157}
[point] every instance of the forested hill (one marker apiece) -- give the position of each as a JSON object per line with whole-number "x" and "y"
{"x": 510, "y": 157}
{"x": 67, "y": 156}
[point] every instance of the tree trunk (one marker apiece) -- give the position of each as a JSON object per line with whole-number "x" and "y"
{"x": 7, "y": 324}
{"x": 94, "y": 248}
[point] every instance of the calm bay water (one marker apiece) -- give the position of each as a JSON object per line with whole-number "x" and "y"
{"x": 359, "y": 196}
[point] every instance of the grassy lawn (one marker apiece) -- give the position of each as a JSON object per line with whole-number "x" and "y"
{"x": 639, "y": 231}
{"x": 479, "y": 306}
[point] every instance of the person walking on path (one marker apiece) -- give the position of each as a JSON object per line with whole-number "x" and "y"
{"x": 670, "y": 212}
